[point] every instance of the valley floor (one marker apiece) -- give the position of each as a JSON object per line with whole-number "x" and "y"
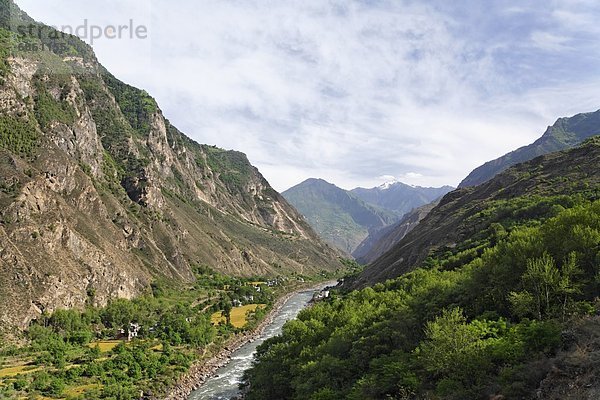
{"x": 87, "y": 355}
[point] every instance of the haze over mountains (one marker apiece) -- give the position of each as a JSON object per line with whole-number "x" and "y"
{"x": 345, "y": 218}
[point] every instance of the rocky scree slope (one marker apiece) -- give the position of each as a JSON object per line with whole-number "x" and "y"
{"x": 100, "y": 194}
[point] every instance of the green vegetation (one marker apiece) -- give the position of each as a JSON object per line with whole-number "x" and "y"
{"x": 232, "y": 167}
{"x": 18, "y": 135}
{"x": 465, "y": 326}
{"x": 86, "y": 354}
{"x": 136, "y": 105}
{"x": 47, "y": 108}
{"x": 6, "y": 40}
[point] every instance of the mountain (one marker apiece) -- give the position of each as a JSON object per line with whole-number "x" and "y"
{"x": 565, "y": 133}
{"x": 100, "y": 194}
{"x": 471, "y": 215}
{"x": 399, "y": 197}
{"x": 380, "y": 242}
{"x": 346, "y": 218}
{"x": 337, "y": 215}
{"x": 494, "y": 295}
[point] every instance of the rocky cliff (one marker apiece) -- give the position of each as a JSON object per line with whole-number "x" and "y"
{"x": 100, "y": 194}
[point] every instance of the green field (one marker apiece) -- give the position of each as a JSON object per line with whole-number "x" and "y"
{"x": 239, "y": 315}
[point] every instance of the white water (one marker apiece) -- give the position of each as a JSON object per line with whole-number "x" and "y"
{"x": 224, "y": 385}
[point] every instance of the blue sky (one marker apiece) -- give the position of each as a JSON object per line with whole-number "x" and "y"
{"x": 355, "y": 92}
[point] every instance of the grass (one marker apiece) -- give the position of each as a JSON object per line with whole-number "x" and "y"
{"x": 17, "y": 370}
{"x": 106, "y": 345}
{"x": 238, "y": 315}
{"x": 75, "y": 391}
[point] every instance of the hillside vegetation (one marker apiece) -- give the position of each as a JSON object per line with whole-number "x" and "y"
{"x": 497, "y": 313}
{"x": 461, "y": 225}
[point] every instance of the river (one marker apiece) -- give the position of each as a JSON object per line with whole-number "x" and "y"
{"x": 224, "y": 385}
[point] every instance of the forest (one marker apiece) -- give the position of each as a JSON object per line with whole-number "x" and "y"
{"x": 467, "y": 324}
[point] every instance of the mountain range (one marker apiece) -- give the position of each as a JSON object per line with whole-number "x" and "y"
{"x": 345, "y": 218}
{"x": 471, "y": 212}
{"x": 565, "y": 133}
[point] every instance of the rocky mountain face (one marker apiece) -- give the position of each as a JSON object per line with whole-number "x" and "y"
{"x": 337, "y": 215}
{"x": 380, "y": 242}
{"x": 399, "y": 197}
{"x": 100, "y": 194}
{"x": 473, "y": 212}
{"x": 564, "y": 134}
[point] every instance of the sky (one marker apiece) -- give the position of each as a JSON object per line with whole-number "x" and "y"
{"x": 354, "y": 92}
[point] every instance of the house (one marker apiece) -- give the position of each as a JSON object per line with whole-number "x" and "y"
{"x": 133, "y": 331}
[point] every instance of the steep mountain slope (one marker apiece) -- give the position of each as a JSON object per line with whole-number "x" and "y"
{"x": 383, "y": 240}
{"x": 336, "y": 214}
{"x": 565, "y": 133}
{"x": 399, "y": 197}
{"x": 100, "y": 194}
{"x": 473, "y": 212}
{"x": 494, "y": 296}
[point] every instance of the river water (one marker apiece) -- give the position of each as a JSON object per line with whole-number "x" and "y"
{"x": 224, "y": 385}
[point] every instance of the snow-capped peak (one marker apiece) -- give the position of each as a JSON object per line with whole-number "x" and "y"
{"x": 387, "y": 185}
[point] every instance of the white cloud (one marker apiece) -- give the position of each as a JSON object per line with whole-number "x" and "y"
{"x": 350, "y": 90}
{"x": 549, "y": 41}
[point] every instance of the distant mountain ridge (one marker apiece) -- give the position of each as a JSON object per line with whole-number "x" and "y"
{"x": 565, "y": 133}
{"x": 466, "y": 211}
{"x": 337, "y": 215}
{"x": 378, "y": 243}
{"x": 346, "y": 218}
{"x": 400, "y": 197}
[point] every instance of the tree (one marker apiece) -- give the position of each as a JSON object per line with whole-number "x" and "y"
{"x": 547, "y": 288}
{"x": 449, "y": 342}
{"x": 227, "y": 307}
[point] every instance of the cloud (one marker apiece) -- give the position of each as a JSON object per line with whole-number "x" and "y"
{"x": 549, "y": 41}
{"x": 352, "y": 90}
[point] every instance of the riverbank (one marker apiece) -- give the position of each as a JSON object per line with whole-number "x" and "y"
{"x": 204, "y": 369}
